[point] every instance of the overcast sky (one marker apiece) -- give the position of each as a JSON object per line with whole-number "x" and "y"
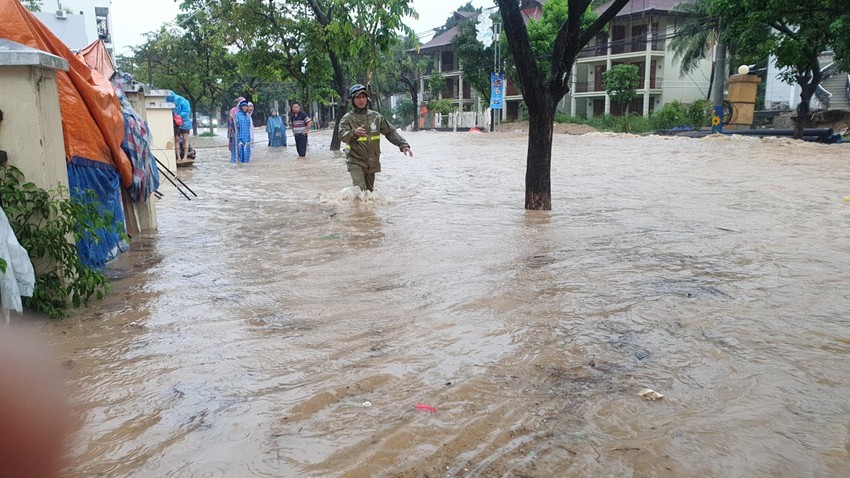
{"x": 131, "y": 19}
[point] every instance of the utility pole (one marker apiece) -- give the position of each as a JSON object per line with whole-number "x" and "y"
{"x": 719, "y": 79}
{"x": 496, "y": 71}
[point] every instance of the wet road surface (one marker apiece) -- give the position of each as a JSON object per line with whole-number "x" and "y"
{"x": 275, "y": 326}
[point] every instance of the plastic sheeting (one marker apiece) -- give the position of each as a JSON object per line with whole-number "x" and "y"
{"x": 97, "y": 58}
{"x": 19, "y": 278}
{"x": 137, "y": 144}
{"x": 103, "y": 180}
{"x": 92, "y": 124}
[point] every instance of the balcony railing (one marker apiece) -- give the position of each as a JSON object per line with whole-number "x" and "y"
{"x": 626, "y": 45}
{"x": 593, "y": 87}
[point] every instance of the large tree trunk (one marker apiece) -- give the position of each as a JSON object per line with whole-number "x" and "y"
{"x": 541, "y": 97}
{"x": 538, "y": 189}
{"x": 804, "y": 112}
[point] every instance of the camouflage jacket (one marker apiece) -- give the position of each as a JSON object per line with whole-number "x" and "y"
{"x": 366, "y": 151}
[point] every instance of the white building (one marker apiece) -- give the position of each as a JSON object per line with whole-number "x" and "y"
{"x": 833, "y": 93}
{"x": 78, "y": 23}
{"x": 638, "y": 35}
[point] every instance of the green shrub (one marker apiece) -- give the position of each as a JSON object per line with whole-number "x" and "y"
{"x": 207, "y": 134}
{"x": 565, "y": 118}
{"x": 444, "y": 106}
{"x": 606, "y": 122}
{"x": 699, "y": 113}
{"x": 637, "y": 124}
{"x": 673, "y": 114}
{"x": 43, "y": 222}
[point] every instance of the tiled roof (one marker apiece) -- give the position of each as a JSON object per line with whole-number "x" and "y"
{"x": 440, "y": 40}
{"x": 644, "y": 6}
{"x": 445, "y": 38}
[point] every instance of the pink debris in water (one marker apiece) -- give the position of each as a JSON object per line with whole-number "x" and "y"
{"x": 419, "y": 407}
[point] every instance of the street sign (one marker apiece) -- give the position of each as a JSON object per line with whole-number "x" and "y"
{"x": 497, "y": 90}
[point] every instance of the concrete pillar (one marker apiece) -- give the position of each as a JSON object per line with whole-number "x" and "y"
{"x": 460, "y": 91}
{"x": 607, "y": 98}
{"x": 161, "y": 124}
{"x": 647, "y": 73}
{"x": 31, "y": 125}
{"x": 742, "y": 94}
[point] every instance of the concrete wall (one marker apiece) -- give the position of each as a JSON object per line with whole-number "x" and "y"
{"x": 687, "y": 88}
{"x": 71, "y": 29}
{"x": 82, "y": 12}
{"x": 31, "y": 130}
{"x": 161, "y": 123}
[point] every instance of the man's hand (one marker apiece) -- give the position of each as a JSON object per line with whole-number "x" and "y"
{"x": 360, "y": 131}
{"x": 407, "y": 152}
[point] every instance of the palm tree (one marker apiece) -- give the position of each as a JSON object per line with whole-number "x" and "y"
{"x": 695, "y": 38}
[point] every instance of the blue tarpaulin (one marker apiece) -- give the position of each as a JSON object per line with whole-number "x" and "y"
{"x": 103, "y": 179}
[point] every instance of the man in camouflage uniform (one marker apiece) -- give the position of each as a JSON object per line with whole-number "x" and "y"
{"x": 362, "y": 130}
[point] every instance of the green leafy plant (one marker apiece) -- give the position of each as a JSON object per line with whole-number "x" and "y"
{"x": 436, "y": 85}
{"x": 699, "y": 113}
{"x": 444, "y": 106}
{"x": 48, "y": 224}
{"x": 621, "y": 83}
{"x": 671, "y": 115}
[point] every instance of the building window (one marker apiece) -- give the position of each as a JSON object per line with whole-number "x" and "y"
{"x": 101, "y": 17}
{"x": 448, "y": 61}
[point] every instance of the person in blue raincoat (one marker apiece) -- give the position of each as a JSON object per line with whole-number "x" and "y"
{"x": 184, "y": 111}
{"x": 241, "y": 151}
{"x": 276, "y": 130}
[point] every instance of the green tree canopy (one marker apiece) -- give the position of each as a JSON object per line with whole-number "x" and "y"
{"x": 32, "y": 5}
{"x": 795, "y": 32}
{"x": 452, "y": 20}
{"x": 621, "y": 83}
{"x": 542, "y": 34}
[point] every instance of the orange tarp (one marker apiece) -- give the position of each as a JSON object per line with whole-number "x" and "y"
{"x": 92, "y": 124}
{"x": 96, "y": 56}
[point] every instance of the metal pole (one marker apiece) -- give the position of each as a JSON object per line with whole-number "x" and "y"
{"x": 719, "y": 81}
{"x": 498, "y": 67}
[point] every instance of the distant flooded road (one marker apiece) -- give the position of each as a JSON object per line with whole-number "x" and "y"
{"x": 275, "y": 327}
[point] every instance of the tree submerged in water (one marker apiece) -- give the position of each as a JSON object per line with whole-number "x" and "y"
{"x": 541, "y": 89}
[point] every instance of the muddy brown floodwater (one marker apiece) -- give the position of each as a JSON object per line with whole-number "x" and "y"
{"x": 246, "y": 337}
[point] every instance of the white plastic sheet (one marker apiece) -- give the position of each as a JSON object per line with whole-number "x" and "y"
{"x": 19, "y": 278}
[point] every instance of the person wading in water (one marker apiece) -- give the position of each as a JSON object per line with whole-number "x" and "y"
{"x": 362, "y": 130}
{"x": 300, "y": 125}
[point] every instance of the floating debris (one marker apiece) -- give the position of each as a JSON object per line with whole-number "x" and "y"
{"x": 650, "y": 394}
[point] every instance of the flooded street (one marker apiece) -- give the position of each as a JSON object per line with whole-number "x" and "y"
{"x": 276, "y": 327}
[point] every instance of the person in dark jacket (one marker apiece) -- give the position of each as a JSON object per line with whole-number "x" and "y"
{"x": 362, "y": 129}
